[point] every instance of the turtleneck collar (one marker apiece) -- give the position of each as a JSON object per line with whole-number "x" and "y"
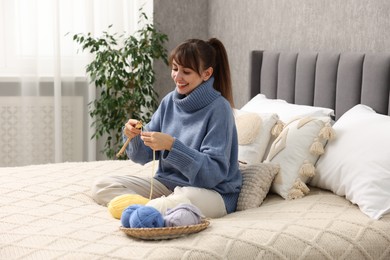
{"x": 200, "y": 97}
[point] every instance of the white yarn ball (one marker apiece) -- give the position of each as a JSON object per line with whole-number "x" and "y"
{"x": 163, "y": 204}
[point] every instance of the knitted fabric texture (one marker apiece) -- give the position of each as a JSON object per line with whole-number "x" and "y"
{"x": 257, "y": 180}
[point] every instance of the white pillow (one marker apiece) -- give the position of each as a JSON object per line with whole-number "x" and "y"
{"x": 286, "y": 111}
{"x": 296, "y": 150}
{"x": 256, "y": 182}
{"x": 357, "y": 164}
{"x": 254, "y": 134}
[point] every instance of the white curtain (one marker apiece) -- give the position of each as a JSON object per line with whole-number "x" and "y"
{"x": 44, "y": 91}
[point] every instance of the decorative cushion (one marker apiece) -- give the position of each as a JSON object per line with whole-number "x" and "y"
{"x": 296, "y": 150}
{"x": 256, "y": 182}
{"x": 286, "y": 111}
{"x": 254, "y": 134}
{"x": 357, "y": 164}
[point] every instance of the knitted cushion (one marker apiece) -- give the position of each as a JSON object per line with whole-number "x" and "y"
{"x": 256, "y": 182}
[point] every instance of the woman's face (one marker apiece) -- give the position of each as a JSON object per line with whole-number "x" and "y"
{"x": 186, "y": 79}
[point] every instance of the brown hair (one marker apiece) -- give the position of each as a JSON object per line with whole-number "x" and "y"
{"x": 199, "y": 55}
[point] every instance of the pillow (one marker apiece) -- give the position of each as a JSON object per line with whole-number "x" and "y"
{"x": 296, "y": 150}
{"x": 357, "y": 164}
{"x": 286, "y": 111}
{"x": 256, "y": 182}
{"x": 254, "y": 134}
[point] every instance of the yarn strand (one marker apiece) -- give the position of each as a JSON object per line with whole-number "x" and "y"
{"x": 151, "y": 180}
{"x": 153, "y": 162}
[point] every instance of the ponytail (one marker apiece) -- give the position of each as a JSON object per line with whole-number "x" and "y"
{"x": 223, "y": 82}
{"x": 200, "y": 55}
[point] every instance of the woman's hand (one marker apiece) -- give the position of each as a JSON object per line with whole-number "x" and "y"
{"x": 130, "y": 129}
{"x": 157, "y": 141}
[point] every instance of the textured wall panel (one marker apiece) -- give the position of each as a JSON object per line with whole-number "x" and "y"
{"x": 284, "y": 25}
{"x": 299, "y": 25}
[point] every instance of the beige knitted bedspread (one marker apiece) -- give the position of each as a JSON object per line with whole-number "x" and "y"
{"x": 46, "y": 212}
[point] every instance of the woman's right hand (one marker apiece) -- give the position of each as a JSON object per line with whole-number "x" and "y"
{"x": 130, "y": 129}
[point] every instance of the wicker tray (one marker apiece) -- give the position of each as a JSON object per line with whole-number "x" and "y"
{"x": 165, "y": 232}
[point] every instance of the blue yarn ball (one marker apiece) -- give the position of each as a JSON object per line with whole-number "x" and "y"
{"x": 146, "y": 217}
{"x": 125, "y": 217}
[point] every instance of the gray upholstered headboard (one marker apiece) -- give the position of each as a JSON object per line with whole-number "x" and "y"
{"x": 333, "y": 80}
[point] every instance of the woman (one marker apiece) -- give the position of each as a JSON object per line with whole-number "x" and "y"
{"x": 192, "y": 133}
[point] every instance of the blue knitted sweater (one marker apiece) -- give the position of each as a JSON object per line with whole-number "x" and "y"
{"x": 205, "y": 151}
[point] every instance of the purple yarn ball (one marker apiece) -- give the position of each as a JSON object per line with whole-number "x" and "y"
{"x": 183, "y": 215}
{"x": 125, "y": 217}
{"x": 146, "y": 217}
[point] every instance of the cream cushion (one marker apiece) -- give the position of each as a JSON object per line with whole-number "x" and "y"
{"x": 254, "y": 134}
{"x": 296, "y": 150}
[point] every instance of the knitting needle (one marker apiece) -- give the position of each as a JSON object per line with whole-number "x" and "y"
{"x": 138, "y": 126}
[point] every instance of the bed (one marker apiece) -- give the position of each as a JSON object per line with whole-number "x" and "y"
{"x": 46, "y": 211}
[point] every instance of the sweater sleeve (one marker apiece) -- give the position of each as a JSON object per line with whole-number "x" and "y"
{"x": 209, "y": 166}
{"x": 137, "y": 151}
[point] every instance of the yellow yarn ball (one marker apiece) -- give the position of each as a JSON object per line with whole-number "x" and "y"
{"x": 119, "y": 203}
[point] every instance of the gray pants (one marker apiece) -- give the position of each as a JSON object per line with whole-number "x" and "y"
{"x": 106, "y": 188}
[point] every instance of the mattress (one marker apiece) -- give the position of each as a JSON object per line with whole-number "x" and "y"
{"x": 46, "y": 212}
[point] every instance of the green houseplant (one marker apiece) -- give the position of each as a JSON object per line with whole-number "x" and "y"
{"x": 122, "y": 72}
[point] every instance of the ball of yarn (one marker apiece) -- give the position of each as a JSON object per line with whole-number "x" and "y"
{"x": 119, "y": 203}
{"x": 125, "y": 217}
{"x": 183, "y": 215}
{"x": 162, "y": 204}
{"x": 146, "y": 217}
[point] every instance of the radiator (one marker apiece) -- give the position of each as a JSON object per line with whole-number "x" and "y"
{"x": 27, "y": 130}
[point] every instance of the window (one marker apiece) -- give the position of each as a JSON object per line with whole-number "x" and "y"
{"x": 42, "y": 69}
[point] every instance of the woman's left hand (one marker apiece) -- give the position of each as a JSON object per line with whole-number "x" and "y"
{"x": 157, "y": 141}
